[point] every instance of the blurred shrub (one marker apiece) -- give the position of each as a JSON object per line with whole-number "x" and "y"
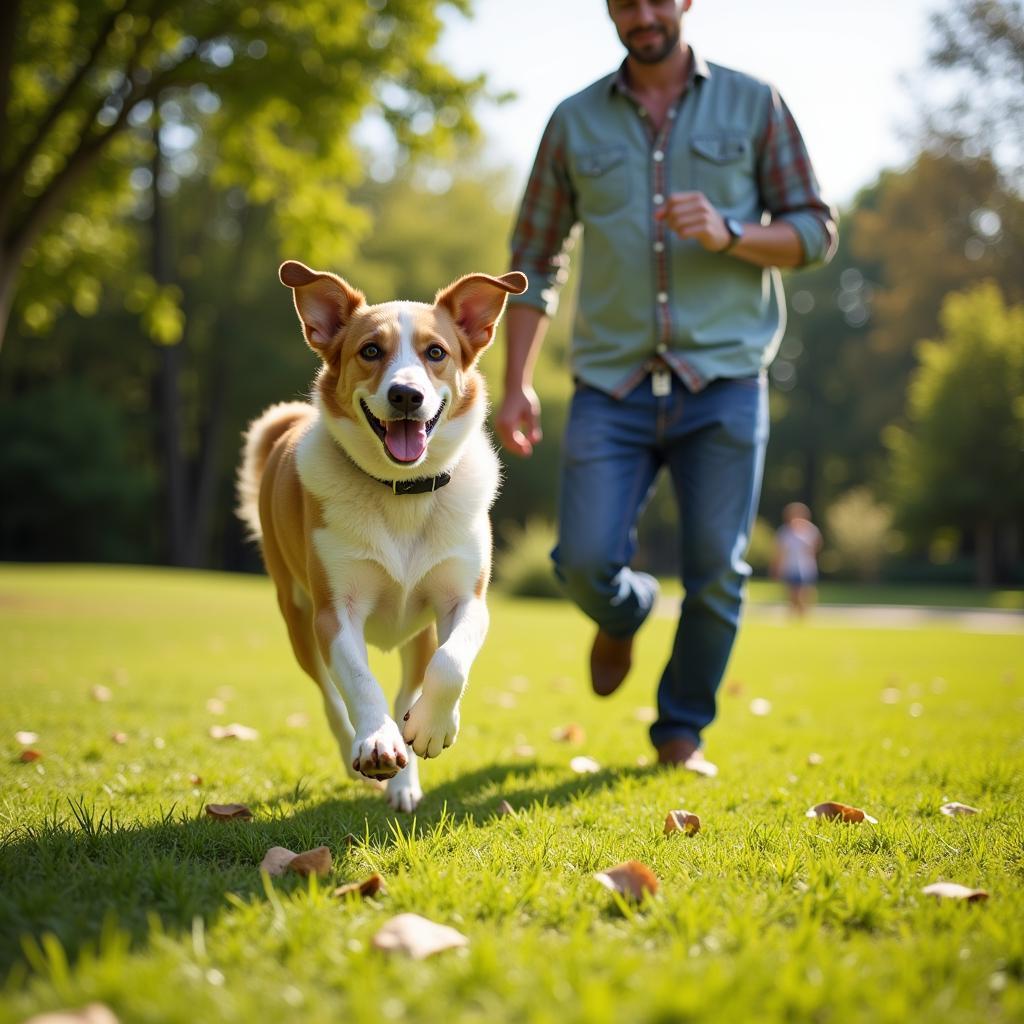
{"x": 859, "y": 534}
{"x": 71, "y": 489}
{"x": 523, "y": 567}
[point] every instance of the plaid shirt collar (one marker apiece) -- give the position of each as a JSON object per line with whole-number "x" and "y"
{"x": 698, "y": 69}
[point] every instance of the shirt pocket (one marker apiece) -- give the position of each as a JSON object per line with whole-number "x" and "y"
{"x": 723, "y": 168}
{"x": 601, "y": 179}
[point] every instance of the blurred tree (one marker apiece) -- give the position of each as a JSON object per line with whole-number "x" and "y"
{"x": 931, "y": 230}
{"x": 275, "y": 89}
{"x": 960, "y": 461}
{"x": 977, "y": 48}
{"x": 107, "y": 108}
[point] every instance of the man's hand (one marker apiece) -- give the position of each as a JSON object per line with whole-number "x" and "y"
{"x": 690, "y": 215}
{"x": 518, "y": 421}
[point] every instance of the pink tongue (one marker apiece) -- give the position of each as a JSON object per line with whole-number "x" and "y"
{"x": 406, "y": 439}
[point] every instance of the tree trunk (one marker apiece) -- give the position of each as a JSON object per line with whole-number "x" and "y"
{"x": 8, "y": 282}
{"x": 167, "y": 389}
{"x": 985, "y": 553}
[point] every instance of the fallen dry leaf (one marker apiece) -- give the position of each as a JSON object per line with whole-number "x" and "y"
{"x": 234, "y": 731}
{"x": 571, "y": 733}
{"x": 101, "y": 694}
{"x": 953, "y": 891}
{"x": 417, "y": 937}
{"x": 278, "y": 860}
{"x": 682, "y": 821}
{"x": 119, "y": 737}
{"x": 195, "y": 780}
{"x": 312, "y": 862}
{"x": 633, "y": 880}
{"x": 833, "y": 811}
{"x": 29, "y": 755}
{"x": 584, "y": 765}
{"x": 760, "y": 707}
{"x": 645, "y": 714}
{"x": 26, "y": 739}
{"x": 733, "y": 688}
{"x": 815, "y": 759}
{"x": 94, "y": 1013}
{"x": 229, "y": 812}
{"x": 368, "y": 887}
{"x": 953, "y": 809}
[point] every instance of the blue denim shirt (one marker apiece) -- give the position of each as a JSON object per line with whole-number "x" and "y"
{"x": 647, "y": 297}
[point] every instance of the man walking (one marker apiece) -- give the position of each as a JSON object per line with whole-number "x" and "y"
{"x": 692, "y": 185}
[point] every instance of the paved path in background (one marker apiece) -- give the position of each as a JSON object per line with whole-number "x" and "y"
{"x": 879, "y": 616}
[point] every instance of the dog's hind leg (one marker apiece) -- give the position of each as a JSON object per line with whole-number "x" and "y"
{"x": 404, "y": 791}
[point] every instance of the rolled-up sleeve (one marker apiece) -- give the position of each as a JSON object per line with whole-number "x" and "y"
{"x": 541, "y": 239}
{"x": 789, "y": 188}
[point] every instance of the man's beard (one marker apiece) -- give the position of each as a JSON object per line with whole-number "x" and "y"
{"x": 653, "y": 53}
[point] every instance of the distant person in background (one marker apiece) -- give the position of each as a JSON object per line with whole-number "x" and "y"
{"x": 797, "y": 543}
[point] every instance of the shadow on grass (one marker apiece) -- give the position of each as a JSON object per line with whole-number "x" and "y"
{"x": 82, "y": 867}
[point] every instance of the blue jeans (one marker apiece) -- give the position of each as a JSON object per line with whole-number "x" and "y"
{"x": 713, "y": 444}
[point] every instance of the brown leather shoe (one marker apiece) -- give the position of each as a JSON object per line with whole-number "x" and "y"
{"x": 611, "y": 658}
{"x": 684, "y": 753}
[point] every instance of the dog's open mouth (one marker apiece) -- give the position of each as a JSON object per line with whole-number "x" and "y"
{"x": 404, "y": 440}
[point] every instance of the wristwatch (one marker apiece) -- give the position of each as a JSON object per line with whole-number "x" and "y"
{"x": 735, "y": 229}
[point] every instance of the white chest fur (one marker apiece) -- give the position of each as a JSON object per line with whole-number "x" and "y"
{"x": 398, "y": 560}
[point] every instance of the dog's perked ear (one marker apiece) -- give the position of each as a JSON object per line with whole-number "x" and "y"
{"x": 476, "y": 303}
{"x": 324, "y": 302}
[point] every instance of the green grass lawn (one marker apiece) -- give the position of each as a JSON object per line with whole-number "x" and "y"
{"x": 114, "y": 887}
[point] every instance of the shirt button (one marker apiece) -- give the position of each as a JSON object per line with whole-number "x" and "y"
{"x": 658, "y": 156}
{"x": 663, "y": 297}
{"x": 672, "y": 112}
{"x": 659, "y": 246}
{"x": 661, "y": 348}
{"x": 659, "y": 199}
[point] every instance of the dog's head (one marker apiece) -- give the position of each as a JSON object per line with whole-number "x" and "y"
{"x": 399, "y": 387}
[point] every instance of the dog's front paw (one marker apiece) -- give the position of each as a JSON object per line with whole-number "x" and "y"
{"x": 381, "y": 754}
{"x": 429, "y": 728}
{"x": 404, "y": 792}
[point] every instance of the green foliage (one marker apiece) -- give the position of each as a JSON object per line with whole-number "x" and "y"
{"x": 125, "y": 893}
{"x": 960, "y": 460}
{"x": 71, "y": 492}
{"x": 859, "y": 533}
{"x": 523, "y": 565}
{"x": 262, "y": 97}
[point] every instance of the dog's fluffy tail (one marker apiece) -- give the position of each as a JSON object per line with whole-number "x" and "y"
{"x": 260, "y": 438}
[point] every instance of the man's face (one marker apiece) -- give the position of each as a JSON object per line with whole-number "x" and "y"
{"x": 649, "y": 29}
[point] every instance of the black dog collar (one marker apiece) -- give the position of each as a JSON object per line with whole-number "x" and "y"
{"x": 422, "y": 485}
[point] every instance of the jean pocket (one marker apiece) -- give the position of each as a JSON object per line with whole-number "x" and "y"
{"x": 601, "y": 179}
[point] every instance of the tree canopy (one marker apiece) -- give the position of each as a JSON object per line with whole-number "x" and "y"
{"x": 265, "y": 97}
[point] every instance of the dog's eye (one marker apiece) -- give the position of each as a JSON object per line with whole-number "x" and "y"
{"x": 436, "y": 354}
{"x": 371, "y": 352}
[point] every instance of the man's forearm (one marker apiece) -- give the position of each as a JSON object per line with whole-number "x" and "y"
{"x": 769, "y": 245}
{"x": 525, "y": 327}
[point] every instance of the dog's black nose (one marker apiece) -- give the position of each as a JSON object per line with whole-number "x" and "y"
{"x": 404, "y": 398}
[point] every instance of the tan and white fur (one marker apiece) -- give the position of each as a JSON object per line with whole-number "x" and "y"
{"x": 398, "y": 397}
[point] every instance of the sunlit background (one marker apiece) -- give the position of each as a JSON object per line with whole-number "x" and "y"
{"x": 154, "y": 172}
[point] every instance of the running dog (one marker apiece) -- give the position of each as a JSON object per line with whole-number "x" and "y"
{"x": 371, "y": 507}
